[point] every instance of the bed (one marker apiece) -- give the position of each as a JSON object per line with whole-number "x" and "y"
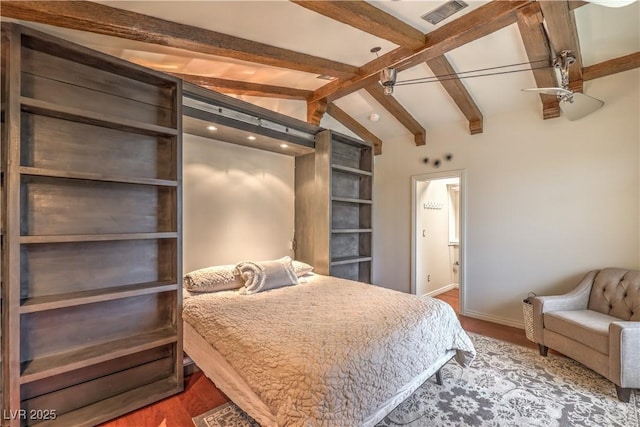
{"x": 326, "y": 352}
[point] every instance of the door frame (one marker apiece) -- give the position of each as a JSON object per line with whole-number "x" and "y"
{"x": 461, "y": 175}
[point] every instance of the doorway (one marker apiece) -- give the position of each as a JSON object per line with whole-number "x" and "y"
{"x": 437, "y": 233}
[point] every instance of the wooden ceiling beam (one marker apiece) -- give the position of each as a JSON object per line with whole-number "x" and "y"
{"x": 612, "y": 66}
{"x": 110, "y": 21}
{"x": 539, "y": 53}
{"x": 457, "y": 91}
{"x": 389, "y": 103}
{"x": 563, "y": 35}
{"x": 574, "y": 4}
{"x": 237, "y": 87}
{"x": 478, "y": 23}
{"x": 368, "y": 18}
{"x": 354, "y": 126}
{"x": 315, "y": 111}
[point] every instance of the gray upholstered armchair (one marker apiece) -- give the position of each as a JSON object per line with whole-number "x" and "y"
{"x": 597, "y": 324}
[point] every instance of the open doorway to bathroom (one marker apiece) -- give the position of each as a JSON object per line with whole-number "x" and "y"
{"x": 437, "y": 237}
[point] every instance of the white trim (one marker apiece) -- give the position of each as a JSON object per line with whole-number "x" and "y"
{"x": 461, "y": 175}
{"x": 442, "y": 290}
{"x": 495, "y": 319}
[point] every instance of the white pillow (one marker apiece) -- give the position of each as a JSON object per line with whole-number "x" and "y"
{"x": 213, "y": 279}
{"x": 266, "y": 275}
{"x": 301, "y": 268}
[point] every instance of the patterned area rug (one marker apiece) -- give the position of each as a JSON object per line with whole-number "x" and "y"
{"x": 507, "y": 385}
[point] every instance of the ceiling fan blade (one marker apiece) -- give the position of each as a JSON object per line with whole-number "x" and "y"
{"x": 581, "y": 106}
{"x": 557, "y": 91}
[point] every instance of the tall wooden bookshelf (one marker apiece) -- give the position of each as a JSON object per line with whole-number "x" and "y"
{"x": 91, "y": 223}
{"x": 4, "y": 49}
{"x": 334, "y": 189}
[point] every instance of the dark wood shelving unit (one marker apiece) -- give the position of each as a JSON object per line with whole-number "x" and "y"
{"x": 52, "y": 173}
{"x": 334, "y": 206}
{"x": 116, "y": 405}
{"x": 49, "y": 366}
{"x": 351, "y": 230}
{"x": 49, "y": 109}
{"x": 92, "y": 234}
{"x": 354, "y": 171}
{"x": 52, "y": 302}
{"x": 68, "y": 238}
{"x": 351, "y": 200}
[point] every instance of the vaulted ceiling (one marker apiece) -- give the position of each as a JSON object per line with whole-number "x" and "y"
{"x": 312, "y": 59}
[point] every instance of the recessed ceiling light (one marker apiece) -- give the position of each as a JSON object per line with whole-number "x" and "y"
{"x": 284, "y": 145}
{"x": 251, "y": 138}
{"x": 325, "y": 77}
{"x": 212, "y": 127}
{"x": 374, "y": 117}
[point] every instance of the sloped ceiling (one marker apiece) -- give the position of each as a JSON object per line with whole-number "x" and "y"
{"x": 604, "y": 34}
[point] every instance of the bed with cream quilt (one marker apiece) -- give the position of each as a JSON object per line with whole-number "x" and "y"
{"x": 326, "y": 352}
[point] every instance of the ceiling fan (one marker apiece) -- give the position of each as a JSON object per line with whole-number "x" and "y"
{"x": 612, "y": 3}
{"x": 574, "y": 105}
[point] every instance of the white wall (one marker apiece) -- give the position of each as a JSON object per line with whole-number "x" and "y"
{"x": 546, "y": 200}
{"x": 238, "y": 203}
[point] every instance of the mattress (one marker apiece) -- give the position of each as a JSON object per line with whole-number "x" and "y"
{"x": 326, "y": 352}
{"x": 226, "y": 379}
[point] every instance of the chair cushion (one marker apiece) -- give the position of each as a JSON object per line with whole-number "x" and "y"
{"x": 586, "y": 326}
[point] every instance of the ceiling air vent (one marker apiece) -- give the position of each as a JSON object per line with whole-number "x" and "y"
{"x": 443, "y": 12}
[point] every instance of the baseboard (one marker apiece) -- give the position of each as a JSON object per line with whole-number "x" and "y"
{"x": 442, "y": 290}
{"x": 493, "y": 319}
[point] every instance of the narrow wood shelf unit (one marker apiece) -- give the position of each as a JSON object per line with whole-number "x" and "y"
{"x": 350, "y": 260}
{"x": 350, "y": 200}
{"x": 52, "y": 173}
{"x": 334, "y": 190}
{"x": 354, "y": 171}
{"x": 73, "y": 238}
{"x": 44, "y": 367}
{"x": 115, "y": 406}
{"x": 75, "y": 114}
{"x": 52, "y": 302}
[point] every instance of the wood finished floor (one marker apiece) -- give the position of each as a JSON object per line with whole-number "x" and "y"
{"x": 200, "y": 394}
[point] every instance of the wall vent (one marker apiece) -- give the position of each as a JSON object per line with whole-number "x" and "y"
{"x": 443, "y": 12}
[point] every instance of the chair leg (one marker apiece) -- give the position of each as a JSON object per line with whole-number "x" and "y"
{"x": 439, "y": 377}
{"x": 624, "y": 394}
{"x": 543, "y": 350}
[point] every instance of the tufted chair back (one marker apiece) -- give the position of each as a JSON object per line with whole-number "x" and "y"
{"x": 616, "y": 292}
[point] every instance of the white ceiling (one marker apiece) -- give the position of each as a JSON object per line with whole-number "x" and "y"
{"x": 605, "y": 33}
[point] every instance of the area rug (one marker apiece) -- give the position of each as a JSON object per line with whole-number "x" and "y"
{"x": 507, "y": 385}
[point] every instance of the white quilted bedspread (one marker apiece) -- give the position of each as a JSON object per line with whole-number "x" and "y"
{"x": 327, "y": 352}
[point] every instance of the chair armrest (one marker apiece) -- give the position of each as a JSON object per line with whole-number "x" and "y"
{"x": 624, "y": 353}
{"x": 576, "y": 299}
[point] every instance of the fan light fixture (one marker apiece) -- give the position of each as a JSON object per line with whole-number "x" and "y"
{"x": 387, "y": 75}
{"x": 612, "y": 3}
{"x": 574, "y": 105}
{"x": 388, "y": 79}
